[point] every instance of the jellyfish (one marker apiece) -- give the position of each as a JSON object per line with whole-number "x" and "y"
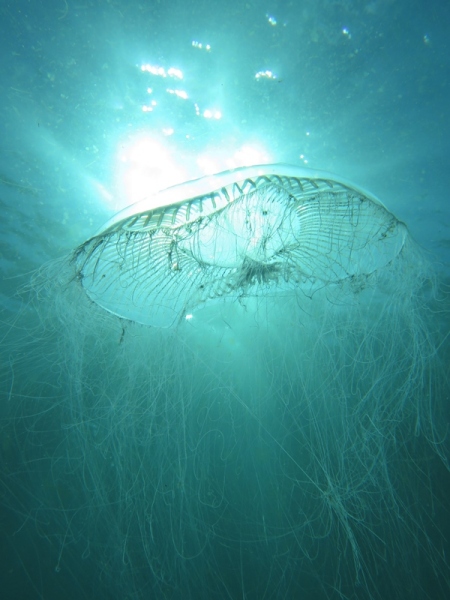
{"x": 267, "y": 228}
{"x": 235, "y": 389}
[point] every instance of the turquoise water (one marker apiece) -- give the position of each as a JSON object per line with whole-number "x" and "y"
{"x": 275, "y": 450}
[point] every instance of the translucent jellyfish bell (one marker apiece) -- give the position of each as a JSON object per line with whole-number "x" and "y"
{"x": 268, "y": 228}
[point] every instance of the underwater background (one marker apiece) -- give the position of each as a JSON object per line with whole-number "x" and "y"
{"x": 105, "y": 102}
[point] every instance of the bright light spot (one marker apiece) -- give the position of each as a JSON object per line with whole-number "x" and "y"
{"x": 265, "y": 75}
{"x": 346, "y": 32}
{"x": 154, "y": 70}
{"x": 249, "y": 155}
{"x": 175, "y": 73}
{"x": 161, "y": 72}
{"x": 271, "y": 20}
{"x": 149, "y": 90}
{"x": 168, "y": 131}
{"x": 207, "y": 165}
{"x": 212, "y": 114}
{"x": 179, "y": 93}
{"x": 219, "y": 160}
{"x": 145, "y": 166}
{"x": 189, "y": 317}
{"x": 147, "y": 108}
{"x": 200, "y": 46}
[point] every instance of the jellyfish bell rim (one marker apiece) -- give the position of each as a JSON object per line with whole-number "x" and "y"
{"x": 196, "y": 188}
